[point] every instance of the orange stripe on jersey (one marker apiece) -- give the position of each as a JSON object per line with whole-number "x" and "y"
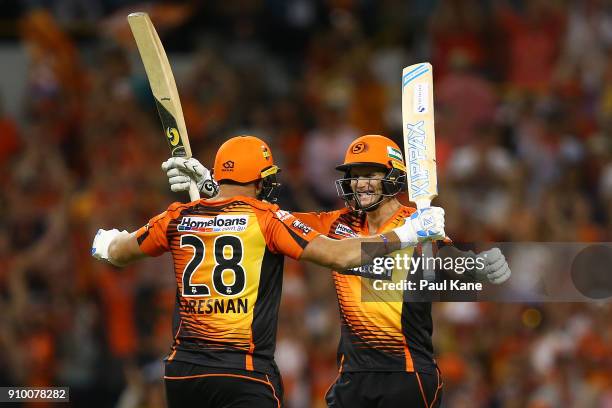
{"x": 176, "y": 342}
{"x": 377, "y": 324}
{"x": 249, "y": 356}
{"x": 409, "y": 363}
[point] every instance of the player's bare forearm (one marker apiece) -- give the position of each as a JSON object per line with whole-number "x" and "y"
{"x": 124, "y": 249}
{"x": 349, "y": 253}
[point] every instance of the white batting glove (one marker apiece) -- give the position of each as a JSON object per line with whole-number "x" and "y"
{"x": 495, "y": 269}
{"x": 101, "y": 242}
{"x": 181, "y": 171}
{"x": 426, "y": 224}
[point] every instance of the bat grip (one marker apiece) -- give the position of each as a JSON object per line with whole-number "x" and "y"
{"x": 194, "y": 193}
{"x": 429, "y": 273}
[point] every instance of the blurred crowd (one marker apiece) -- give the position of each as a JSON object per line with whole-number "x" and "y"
{"x": 524, "y": 146}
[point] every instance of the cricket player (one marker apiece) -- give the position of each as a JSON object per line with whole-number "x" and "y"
{"x": 385, "y": 354}
{"x": 228, "y": 259}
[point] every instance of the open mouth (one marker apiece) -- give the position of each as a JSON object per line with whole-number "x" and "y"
{"x": 365, "y": 194}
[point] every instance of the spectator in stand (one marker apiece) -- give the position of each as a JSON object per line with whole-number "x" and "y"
{"x": 323, "y": 148}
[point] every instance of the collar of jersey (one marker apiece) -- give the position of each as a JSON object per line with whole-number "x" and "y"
{"x": 388, "y": 221}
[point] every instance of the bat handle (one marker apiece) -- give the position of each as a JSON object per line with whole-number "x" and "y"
{"x": 194, "y": 193}
{"x": 429, "y": 273}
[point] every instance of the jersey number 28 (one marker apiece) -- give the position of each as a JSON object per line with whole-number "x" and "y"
{"x": 233, "y": 263}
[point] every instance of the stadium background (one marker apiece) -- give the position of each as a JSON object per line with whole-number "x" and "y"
{"x": 524, "y": 144}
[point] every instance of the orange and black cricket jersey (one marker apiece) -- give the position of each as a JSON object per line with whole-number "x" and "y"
{"x": 228, "y": 262}
{"x": 377, "y": 334}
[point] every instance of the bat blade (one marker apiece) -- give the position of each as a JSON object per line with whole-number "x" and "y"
{"x": 419, "y": 133}
{"x": 163, "y": 87}
{"x": 419, "y": 141}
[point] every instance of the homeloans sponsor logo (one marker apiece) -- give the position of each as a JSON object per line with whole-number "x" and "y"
{"x": 220, "y": 223}
{"x": 345, "y": 231}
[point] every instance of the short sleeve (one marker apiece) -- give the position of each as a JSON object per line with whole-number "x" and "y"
{"x": 320, "y": 221}
{"x": 287, "y": 235}
{"x": 152, "y": 237}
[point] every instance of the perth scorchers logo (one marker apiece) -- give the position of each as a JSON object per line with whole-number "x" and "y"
{"x": 359, "y": 148}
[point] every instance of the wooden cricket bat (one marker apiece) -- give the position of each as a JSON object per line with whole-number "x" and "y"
{"x": 163, "y": 87}
{"x": 420, "y": 141}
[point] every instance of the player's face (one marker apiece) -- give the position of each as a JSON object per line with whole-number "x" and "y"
{"x": 367, "y": 184}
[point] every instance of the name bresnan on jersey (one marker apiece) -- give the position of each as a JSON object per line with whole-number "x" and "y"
{"x": 219, "y": 223}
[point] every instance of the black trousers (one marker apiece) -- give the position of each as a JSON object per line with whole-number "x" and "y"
{"x": 385, "y": 390}
{"x": 194, "y": 386}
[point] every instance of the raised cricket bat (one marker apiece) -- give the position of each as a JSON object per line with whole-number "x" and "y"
{"x": 163, "y": 87}
{"x": 420, "y": 141}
